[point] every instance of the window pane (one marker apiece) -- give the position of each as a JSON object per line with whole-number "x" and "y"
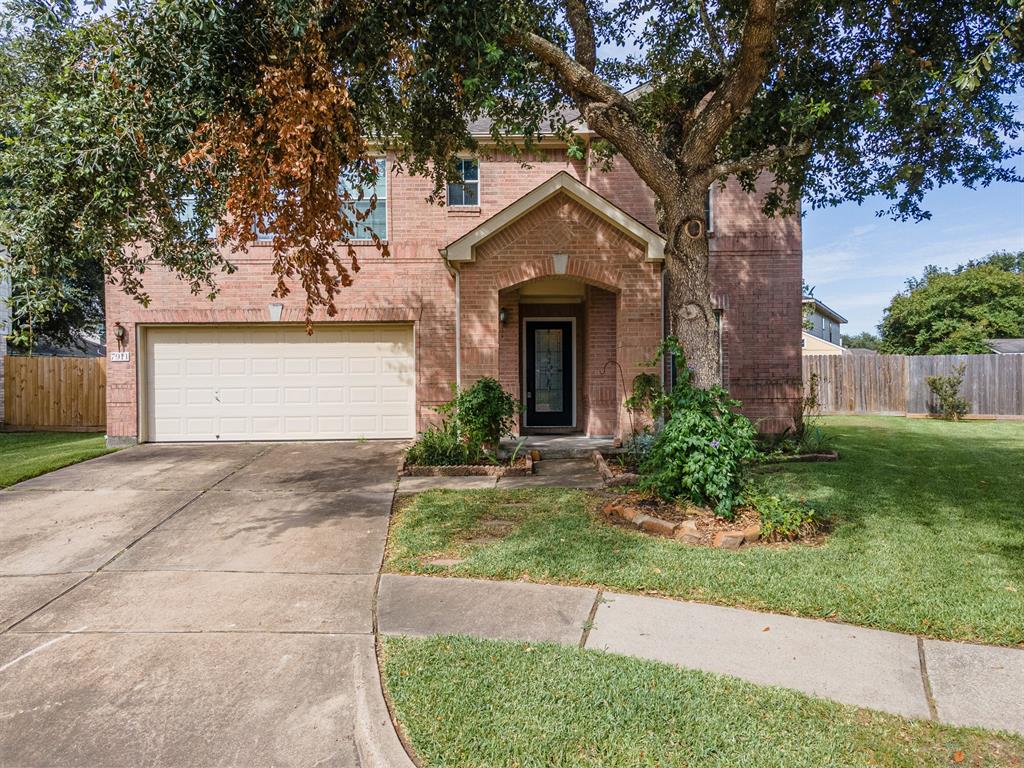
{"x": 548, "y": 371}
{"x": 467, "y": 192}
{"x": 377, "y": 221}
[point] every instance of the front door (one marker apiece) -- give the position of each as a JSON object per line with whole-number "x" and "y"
{"x": 549, "y": 373}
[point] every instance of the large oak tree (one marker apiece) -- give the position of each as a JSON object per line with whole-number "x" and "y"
{"x": 257, "y": 107}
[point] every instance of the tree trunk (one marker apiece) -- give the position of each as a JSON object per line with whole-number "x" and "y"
{"x": 691, "y": 317}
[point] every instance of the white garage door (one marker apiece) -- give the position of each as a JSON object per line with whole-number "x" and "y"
{"x": 278, "y": 383}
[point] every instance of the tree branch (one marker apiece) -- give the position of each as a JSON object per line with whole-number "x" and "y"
{"x": 574, "y": 76}
{"x": 582, "y": 24}
{"x": 741, "y": 83}
{"x": 609, "y": 114}
{"x": 713, "y": 38}
{"x": 758, "y": 161}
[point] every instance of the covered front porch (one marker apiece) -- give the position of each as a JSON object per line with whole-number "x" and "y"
{"x": 557, "y": 355}
{"x": 560, "y": 300}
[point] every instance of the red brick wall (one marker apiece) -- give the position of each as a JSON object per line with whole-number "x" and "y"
{"x": 602, "y": 390}
{"x": 600, "y": 255}
{"x": 755, "y": 271}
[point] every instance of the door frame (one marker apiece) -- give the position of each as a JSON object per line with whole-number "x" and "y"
{"x": 573, "y": 350}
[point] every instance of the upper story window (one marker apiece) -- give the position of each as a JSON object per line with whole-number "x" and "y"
{"x": 467, "y": 191}
{"x": 261, "y": 236}
{"x": 377, "y": 220}
{"x": 187, "y": 214}
{"x": 359, "y": 202}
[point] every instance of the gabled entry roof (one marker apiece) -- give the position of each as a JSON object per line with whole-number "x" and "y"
{"x": 464, "y": 248}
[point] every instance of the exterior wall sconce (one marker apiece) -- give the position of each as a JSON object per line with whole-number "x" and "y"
{"x": 120, "y": 333}
{"x": 502, "y": 316}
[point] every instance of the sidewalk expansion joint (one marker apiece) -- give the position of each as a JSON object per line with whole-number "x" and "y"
{"x": 933, "y": 711}
{"x": 590, "y": 618}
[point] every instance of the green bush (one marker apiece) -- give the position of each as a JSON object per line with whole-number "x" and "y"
{"x": 782, "y": 517}
{"x": 636, "y": 448}
{"x": 484, "y": 413}
{"x": 443, "y": 446}
{"x": 947, "y": 390}
{"x": 702, "y": 451}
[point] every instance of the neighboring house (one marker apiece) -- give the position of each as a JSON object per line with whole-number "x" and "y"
{"x": 824, "y": 336}
{"x": 548, "y": 277}
{"x": 1006, "y": 346}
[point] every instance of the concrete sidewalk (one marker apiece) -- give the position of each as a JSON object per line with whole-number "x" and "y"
{"x": 954, "y": 683}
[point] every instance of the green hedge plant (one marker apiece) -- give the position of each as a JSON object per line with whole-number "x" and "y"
{"x": 442, "y": 445}
{"x": 484, "y": 412}
{"x": 782, "y": 518}
{"x": 702, "y": 452}
{"x": 947, "y": 391}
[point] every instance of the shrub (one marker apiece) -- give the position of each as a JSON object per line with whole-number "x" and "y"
{"x": 444, "y": 446}
{"x": 636, "y": 448}
{"x": 782, "y": 517}
{"x": 702, "y": 451}
{"x": 484, "y": 413}
{"x": 646, "y": 394}
{"x": 810, "y": 436}
{"x": 947, "y": 390}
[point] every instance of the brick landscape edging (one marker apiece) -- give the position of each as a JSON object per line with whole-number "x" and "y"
{"x": 685, "y": 531}
{"x": 610, "y": 478}
{"x": 827, "y": 456}
{"x": 466, "y": 470}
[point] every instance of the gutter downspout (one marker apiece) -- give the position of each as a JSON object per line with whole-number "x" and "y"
{"x": 456, "y": 275}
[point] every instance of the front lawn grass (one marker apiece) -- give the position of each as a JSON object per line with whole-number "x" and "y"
{"x": 474, "y": 703}
{"x": 928, "y": 536}
{"x": 28, "y": 454}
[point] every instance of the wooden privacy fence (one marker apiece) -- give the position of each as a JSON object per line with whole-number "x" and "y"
{"x": 59, "y": 393}
{"x": 897, "y": 384}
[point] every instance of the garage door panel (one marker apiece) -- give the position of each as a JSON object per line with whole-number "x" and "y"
{"x": 272, "y": 383}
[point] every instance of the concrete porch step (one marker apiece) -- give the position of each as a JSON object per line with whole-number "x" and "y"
{"x": 559, "y": 446}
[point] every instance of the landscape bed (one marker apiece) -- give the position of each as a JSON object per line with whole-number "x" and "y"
{"x": 926, "y": 536}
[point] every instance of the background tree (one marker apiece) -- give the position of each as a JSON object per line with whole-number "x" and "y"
{"x": 862, "y": 340}
{"x": 90, "y": 186}
{"x": 954, "y": 312}
{"x": 259, "y": 106}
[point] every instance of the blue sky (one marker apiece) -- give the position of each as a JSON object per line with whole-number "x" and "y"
{"x": 857, "y": 261}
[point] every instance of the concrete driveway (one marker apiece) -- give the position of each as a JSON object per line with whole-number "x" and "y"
{"x": 187, "y": 605}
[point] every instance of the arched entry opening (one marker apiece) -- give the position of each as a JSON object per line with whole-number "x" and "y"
{"x": 557, "y": 351}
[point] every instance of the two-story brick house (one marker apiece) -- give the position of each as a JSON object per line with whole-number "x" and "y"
{"x": 547, "y": 277}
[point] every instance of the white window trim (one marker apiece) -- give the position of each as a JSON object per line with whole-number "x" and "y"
{"x": 479, "y": 187}
{"x": 710, "y": 223}
{"x": 387, "y": 210}
{"x": 211, "y": 233}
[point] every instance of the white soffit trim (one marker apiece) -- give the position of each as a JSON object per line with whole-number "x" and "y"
{"x": 464, "y": 248}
